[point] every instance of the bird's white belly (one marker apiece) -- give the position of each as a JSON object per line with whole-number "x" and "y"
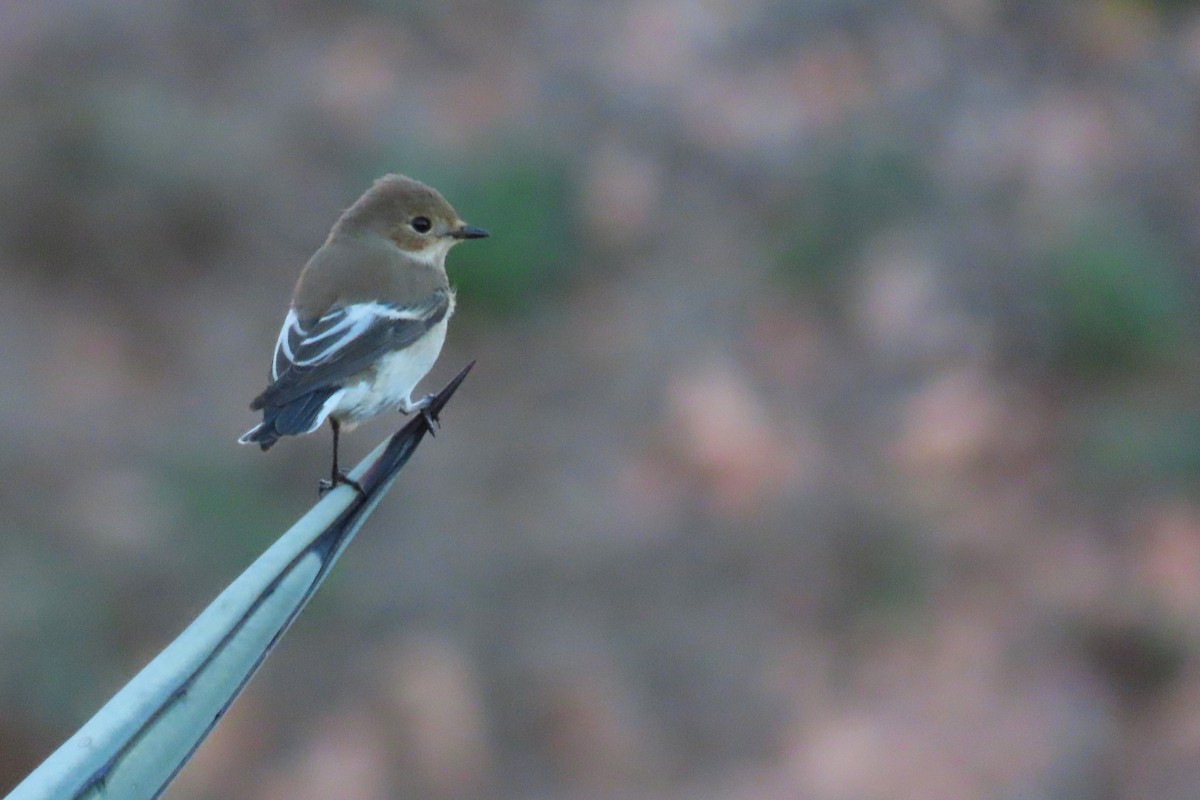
{"x": 389, "y": 384}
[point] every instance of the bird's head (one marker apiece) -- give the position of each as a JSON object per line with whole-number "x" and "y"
{"x": 414, "y": 216}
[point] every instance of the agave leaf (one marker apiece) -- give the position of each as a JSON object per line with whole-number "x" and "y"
{"x": 141, "y": 738}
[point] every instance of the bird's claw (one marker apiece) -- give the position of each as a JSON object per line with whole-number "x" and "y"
{"x": 325, "y": 484}
{"x": 422, "y": 406}
{"x": 434, "y": 425}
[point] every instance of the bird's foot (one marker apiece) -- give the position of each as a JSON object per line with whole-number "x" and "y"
{"x": 326, "y": 484}
{"x": 422, "y": 406}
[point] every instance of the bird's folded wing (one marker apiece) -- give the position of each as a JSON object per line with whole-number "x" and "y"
{"x": 313, "y": 354}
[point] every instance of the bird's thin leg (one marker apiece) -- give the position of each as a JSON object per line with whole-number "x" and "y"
{"x": 336, "y": 476}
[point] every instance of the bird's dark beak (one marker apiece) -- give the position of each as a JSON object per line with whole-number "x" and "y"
{"x": 468, "y": 232}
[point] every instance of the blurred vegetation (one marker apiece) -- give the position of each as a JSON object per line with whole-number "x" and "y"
{"x": 1130, "y": 443}
{"x": 884, "y": 573}
{"x": 1116, "y": 301}
{"x": 856, "y": 190}
{"x": 530, "y": 201}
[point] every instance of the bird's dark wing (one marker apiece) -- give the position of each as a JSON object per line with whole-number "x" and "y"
{"x": 314, "y": 354}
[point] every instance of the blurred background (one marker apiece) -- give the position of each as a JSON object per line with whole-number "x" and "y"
{"x": 834, "y": 433}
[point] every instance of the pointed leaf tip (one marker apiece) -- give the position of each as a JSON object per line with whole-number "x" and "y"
{"x": 441, "y": 398}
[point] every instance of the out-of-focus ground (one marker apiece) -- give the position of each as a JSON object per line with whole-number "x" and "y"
{"x": 834, "y": 433}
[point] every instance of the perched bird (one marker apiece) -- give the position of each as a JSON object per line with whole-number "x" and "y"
{"x": 368, "y": 316}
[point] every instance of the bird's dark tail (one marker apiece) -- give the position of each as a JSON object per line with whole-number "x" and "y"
{"x": 302, "y": 415}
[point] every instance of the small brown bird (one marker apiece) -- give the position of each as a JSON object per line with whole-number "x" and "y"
{"x": 368, "y": 316}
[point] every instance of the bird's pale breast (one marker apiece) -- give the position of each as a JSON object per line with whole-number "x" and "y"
{"x": 389, "y": 384}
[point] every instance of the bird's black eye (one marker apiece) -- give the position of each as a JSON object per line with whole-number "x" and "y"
{"x": 421, "y": 224}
